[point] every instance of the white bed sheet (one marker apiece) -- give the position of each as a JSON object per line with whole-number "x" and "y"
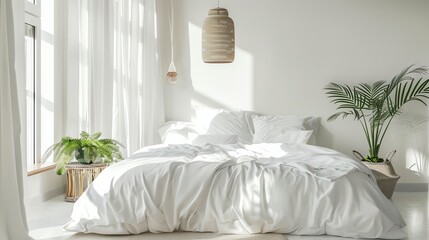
{"x": 238, "y": 189}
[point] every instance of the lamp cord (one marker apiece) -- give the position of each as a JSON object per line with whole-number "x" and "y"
{"x": 171, "y": 23}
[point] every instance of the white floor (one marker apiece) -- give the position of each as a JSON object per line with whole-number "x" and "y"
{"x": 45, "y": 221}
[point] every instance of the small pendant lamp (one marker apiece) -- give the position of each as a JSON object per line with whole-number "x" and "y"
{"x": 172, "y": 73}
{"x": 218, "y": 41}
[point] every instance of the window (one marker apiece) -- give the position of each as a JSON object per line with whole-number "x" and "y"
{"x": 40, "y": 67}
{"x": 32, "y": 73}
{"x": 30, "y": 69}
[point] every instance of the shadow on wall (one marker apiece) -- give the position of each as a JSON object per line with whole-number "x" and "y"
{"x": 287, "y": 53}
{"x": 256, "y": 81}
{"x": 183, "y": 94}
{"x": 210, "y": 89}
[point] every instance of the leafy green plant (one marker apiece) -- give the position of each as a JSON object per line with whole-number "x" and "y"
{"x": 86, "y": 150}
{"x": 374, "y": 106}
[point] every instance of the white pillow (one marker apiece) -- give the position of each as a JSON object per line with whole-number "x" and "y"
{"x": 290, "y": 137}
{"x": 224, "y": 122}
{"x": 269, "y": 128}
{"x": 204, "y": 116}
{"x": 202, "y": 140}
{"x": 312, "y": 123}
{"x": 248, "y": 115}
{"x": 176, "y": 132}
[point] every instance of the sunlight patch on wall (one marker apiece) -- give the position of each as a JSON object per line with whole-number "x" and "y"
{"x": 409, "y": 135}
{"x": 415, "y": 161}
{"x": 47, "y": 82}
{"x": 220, "y": 85}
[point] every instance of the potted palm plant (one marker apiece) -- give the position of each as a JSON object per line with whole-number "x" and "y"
{"x": 87, "y": 149}
{"x": 374, "y": 106}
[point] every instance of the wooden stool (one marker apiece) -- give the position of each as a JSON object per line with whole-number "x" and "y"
{"x": 79, "y": 177}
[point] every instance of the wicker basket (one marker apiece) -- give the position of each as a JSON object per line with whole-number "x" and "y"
{"x": 384, "y": 173}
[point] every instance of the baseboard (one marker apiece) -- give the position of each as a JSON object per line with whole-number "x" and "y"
{"x": 48, "y": 195}
{"x": 411, "y": 187}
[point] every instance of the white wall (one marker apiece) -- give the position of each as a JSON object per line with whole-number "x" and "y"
{"x": 287, "y": 51}
{"x": 43, "y": 186}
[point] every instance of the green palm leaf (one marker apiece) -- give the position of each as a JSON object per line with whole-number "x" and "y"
{"x": 406, "y": 92}
{"x": 375, "y": 105}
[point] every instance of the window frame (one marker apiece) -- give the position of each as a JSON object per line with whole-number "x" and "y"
{"x": 33, "y": 18}
{"x": 33, "y": 9}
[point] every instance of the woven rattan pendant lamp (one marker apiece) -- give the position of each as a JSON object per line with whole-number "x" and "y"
{"x": 218, "y": 41}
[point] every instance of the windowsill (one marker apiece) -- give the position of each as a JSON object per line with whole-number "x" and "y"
{"x": 39, "y": 168}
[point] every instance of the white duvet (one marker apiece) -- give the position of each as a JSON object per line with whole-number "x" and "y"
{"x": 239, "y": 189}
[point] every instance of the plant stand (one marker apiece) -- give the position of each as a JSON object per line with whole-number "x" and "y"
{"x": 79, "y": 177}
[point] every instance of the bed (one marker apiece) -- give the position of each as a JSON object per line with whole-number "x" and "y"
{"x": 222, "y": 184}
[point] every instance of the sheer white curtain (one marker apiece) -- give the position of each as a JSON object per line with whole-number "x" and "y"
{"x": 12, "y": 214}
{"x": 114, "y": 83}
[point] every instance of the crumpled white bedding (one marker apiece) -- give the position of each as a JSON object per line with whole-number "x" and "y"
{"x": 238, "y": 189}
